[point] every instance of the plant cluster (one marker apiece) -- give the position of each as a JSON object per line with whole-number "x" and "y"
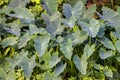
{"x": 58, "y": 40}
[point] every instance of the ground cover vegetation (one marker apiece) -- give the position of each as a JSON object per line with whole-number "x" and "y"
{"x": 59, "y": 40}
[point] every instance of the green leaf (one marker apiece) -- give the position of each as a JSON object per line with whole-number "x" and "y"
{"x": 107, "y": 43}
{"x": 108, "y": 73}
{"x": 98, "y": 67}
{"x": 67, "y": 10}
{"x": 59, "y": 68}
{"x": 92, "y": 28}
{"x": 46, "y": 59}
{"x": 89, "y": 13}
{"x": 14, "y": 27}
{"x": 54, "y": 26}
{"x": 113, "y": 37}
{"x": 52, "y": 5}
{"x": 118, "y": 10}
{"x": 24, "y": 39}
{"x": 18, "y": 3}
{"x": 75, "y": 11}
{"x": 81, "y": 65}
{"x": 9, "y": 41}
{"x": 17, "y": 59}
{"x": 41, "y": 44}
{"x": 88, "y": 51}
{"x": 118, "y": 59}
{"x": 117, "y": 44}
{"x": 48, "y": 76}
{"x": 28, "y": 65}
{"x": 111, "y": 16}
{"x": 11, "y": 76}
{"x": 2, "y": 74}
{"x": 33, "y": 29}
{"x": 69, "y": 22}
{"x": 54, "y": 60}
{"x": 105, "y": 54}
{"x": 21, "y": 14}
{"x": 7, "y": 75}
{"x": 56, "y": 15}
{"x": 67, "y": 49}
{"x": 78, "y": 37}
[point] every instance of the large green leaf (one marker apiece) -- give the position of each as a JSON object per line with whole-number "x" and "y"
{"x": 105, "y": 54}
{"x": 118, "y": 59}
{"x": 75, "y": 11}
{"x": 108, "y": 43}
{"x": 50, "y": 5}
{"x": 117, "y": 44}
{"x": 45, "y": 60}
{"x": 108, "y": 73}
{"x": 53, "y": 5}
{"x": 111, "y": 16}
{"x": 9, "y": 41}
{"x": 54, "y": 60}
{"x": 88, "y": 51}
{"x": 41, "y": 44}
{"x": 17, "y": 59}
{"x": 21, "y": 14}
{"x": 59, "y": 68}
{"x": 92, "y": 28}
{"x": 28, "y": 65}
{"x": 14, "y": 27}
{"x": 33, "y": 29}
{"x": 18, "y": 3}
{"x": 54, "y": 26}
{"x": 67, "y": 10}
{"x": 24, "y": 39}
{"x": 67, "y": 49}
{"x": 90, "y": 12}
{"x": 81, "y": 65}
{"x": 7, "y": 76}
{"x": 53, "y": 17}
{"x": 78, "y": 37}
{"x": 10, "y": 76}
{"x": 69, "y": 22}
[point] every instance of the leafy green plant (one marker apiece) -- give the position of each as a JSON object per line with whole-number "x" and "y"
{"x": 49, "y": 44}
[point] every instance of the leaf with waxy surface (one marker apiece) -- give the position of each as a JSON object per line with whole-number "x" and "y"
{"x": 28, "y": 65}
{"x": 92, "y": 28}
{"x": 117, "y": 44}
{"x": 24, "y": 39}
{"x": 69, "y": 22}
{"x": 9, "y": 41}
{"x": 108, "y": 73}
{"x": 17, "y": 59}
{"x": 105, "y": 54}
{"x": 18, "y": 3}
{"x": 78, "y": 37}
{"x": 88, "y": 51}
{"x": 54, "y": 26}
{"x": 89, "y": 13}
{"x": 81, "y": 65}
{"x": 59, "y": 68}
{"x": 21, "y": 14}
{"x": 54, "y": 60}
{"x": 108, "y": 43}
{"x": 67, "y": 49}
{"x": 75, "y": 11}
{"x": 41, "y": 44}
{"x": 111, "y": 16}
